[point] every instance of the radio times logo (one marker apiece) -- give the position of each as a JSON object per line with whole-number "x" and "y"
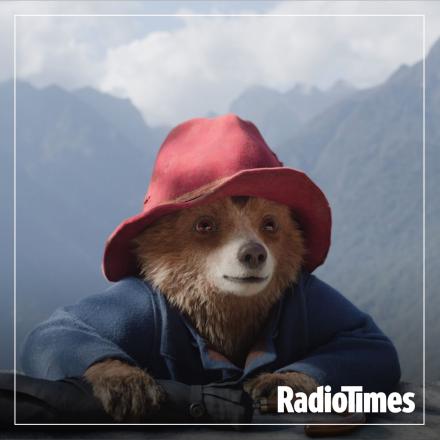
{"x": 350, "y": 398}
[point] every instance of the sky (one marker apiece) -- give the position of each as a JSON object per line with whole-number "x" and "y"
{"x": 177, "y": 67}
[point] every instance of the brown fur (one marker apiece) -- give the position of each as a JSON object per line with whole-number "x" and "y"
{"x": 265, "y": 385}
{"x": 127, "y": 393}
{"x": 171, "y": 256}
{"x": 230, "y": 323}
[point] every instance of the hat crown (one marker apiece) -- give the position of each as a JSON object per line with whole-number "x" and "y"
{"x": 203, "y": 150}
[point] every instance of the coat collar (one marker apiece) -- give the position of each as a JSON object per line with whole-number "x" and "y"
{"x": 179, "y": 339}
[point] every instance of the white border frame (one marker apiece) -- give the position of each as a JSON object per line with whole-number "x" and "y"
{"x": 423, "y": 16}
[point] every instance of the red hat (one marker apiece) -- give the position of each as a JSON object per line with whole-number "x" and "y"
{"x": 204, "y": 159}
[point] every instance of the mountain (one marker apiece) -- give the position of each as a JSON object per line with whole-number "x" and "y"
{"x": 433, "y": 211}
{"x": 121, "y": 113}
{"x": 6, "y": 225}
{"x": 279, "y": 114}
{"x": 80, "y": 170}
{"x": 366, "y": 153}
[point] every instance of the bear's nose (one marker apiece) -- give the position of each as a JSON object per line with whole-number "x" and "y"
{"x": 252, "y": 255}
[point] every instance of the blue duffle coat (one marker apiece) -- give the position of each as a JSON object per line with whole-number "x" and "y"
{"x": 312, "y": 329}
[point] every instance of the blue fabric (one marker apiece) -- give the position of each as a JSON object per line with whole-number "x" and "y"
{"x": 313, "y": 329}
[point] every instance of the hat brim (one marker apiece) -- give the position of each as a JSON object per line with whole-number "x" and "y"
{"x": 280, "y": 184}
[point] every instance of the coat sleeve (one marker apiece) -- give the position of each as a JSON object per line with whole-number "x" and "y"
{"x": 118, "y": 323}
{"x": 345, "y": 346}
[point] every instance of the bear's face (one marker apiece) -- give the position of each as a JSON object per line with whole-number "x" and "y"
{"x": 242, "y": 246}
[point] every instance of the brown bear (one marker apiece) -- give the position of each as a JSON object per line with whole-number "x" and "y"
{"x": 213, "y": 283}
{"x": 223, "y": 265}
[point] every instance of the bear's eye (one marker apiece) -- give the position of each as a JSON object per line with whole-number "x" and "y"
{"x": 269, "y": 224}
{"x": 205, "y": 225}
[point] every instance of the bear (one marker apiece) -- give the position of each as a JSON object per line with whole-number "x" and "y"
{"x": 223, "y": 265}
{"x": 213, "y": 284}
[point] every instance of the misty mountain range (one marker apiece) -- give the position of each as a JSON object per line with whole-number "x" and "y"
{"x": 281, "y": 115}
{"x": 84, "y": 159}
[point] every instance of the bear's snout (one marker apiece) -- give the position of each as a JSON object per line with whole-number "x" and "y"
{"x": 252, "y": 255}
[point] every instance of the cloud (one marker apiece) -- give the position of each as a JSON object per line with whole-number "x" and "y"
{"x": 205, "y": 64}
{"x": 176, "y": 68}
{"x": 69, "y": 51}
